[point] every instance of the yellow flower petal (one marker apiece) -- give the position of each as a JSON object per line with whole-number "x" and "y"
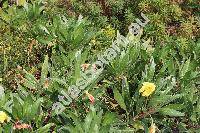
{"x": 142, "y": 89}
{"x": 4, "y": 117}
{"x": 152, "y": 129}
{"x": 147, "y": 89}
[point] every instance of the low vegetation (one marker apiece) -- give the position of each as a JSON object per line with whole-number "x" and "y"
{"x": 151, "y": 84}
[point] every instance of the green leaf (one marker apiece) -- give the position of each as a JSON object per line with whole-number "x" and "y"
{"x": 44, "y": 129}
{"x": 44, "y": 40}
{"x": 175, "y": 106}
{"x": 97, "y": 117}
{"x": 88, "y": 121}
{"x": 157, "y": 100}
{"x": 60, "y": 81}
{"x": 36, "y": 107}
{"x": 163, "y": 99}
{"x": 17, "y": 108}
{"x": 126, "y": 92}
{"x": 4, "y": 16}
{"x": 43, "y": 28}
{"x": 125, "y": 88}
{"x": 109, "y": 118}
{"x": 2, "y": 94}
{"x": 21, "y": 2}
{"x": 30, "y": 77}
{"x": 151, "y": 70}
{"x": 76, "y": 121}
{"x": 171, "y": 112}
{"x": 185, "y": 68}
{"x": 118, "y": 97}
{"x": 29, "y": 84}
{"x": 44, "y": 70}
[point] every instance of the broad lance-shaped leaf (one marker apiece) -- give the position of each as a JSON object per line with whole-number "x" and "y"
{"x": 185, "y": 68}
{"x": 44, "y": 29}
{"x": 171, "y": 112}
{"x": 151, "y": 70}
{"x": 30, "y": 78}
{"x": 118, "y": 97}
{"x": 1, "y": 91}
{"x": 175, "y": 106}
{"x": 44, "y": 70}
{"x": 88, "y": 121}
{"x": 126, "y": 92}
{"x": 45, "y": 129}
{"x": 163, "y": 99}
{"x": 75, "y": 119}
{"x": 96, "y": 122}
{"x": 60, "y": 81}
{"x": 125, "y": 88}
{"x": 109, "y": 118}
{"x": 4, "y": 16}
{"x": 29, "y": 84}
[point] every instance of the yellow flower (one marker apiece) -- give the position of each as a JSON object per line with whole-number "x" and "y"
{"x": 93, "y": 41}
{"x": 147, "y": 89}
{"x": 4, "y": 117}
{"x": 109, "y": 31}
{"x": 152, "y": 129}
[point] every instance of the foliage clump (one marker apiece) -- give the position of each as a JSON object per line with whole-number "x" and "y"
{"x": 151, "y": 85}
